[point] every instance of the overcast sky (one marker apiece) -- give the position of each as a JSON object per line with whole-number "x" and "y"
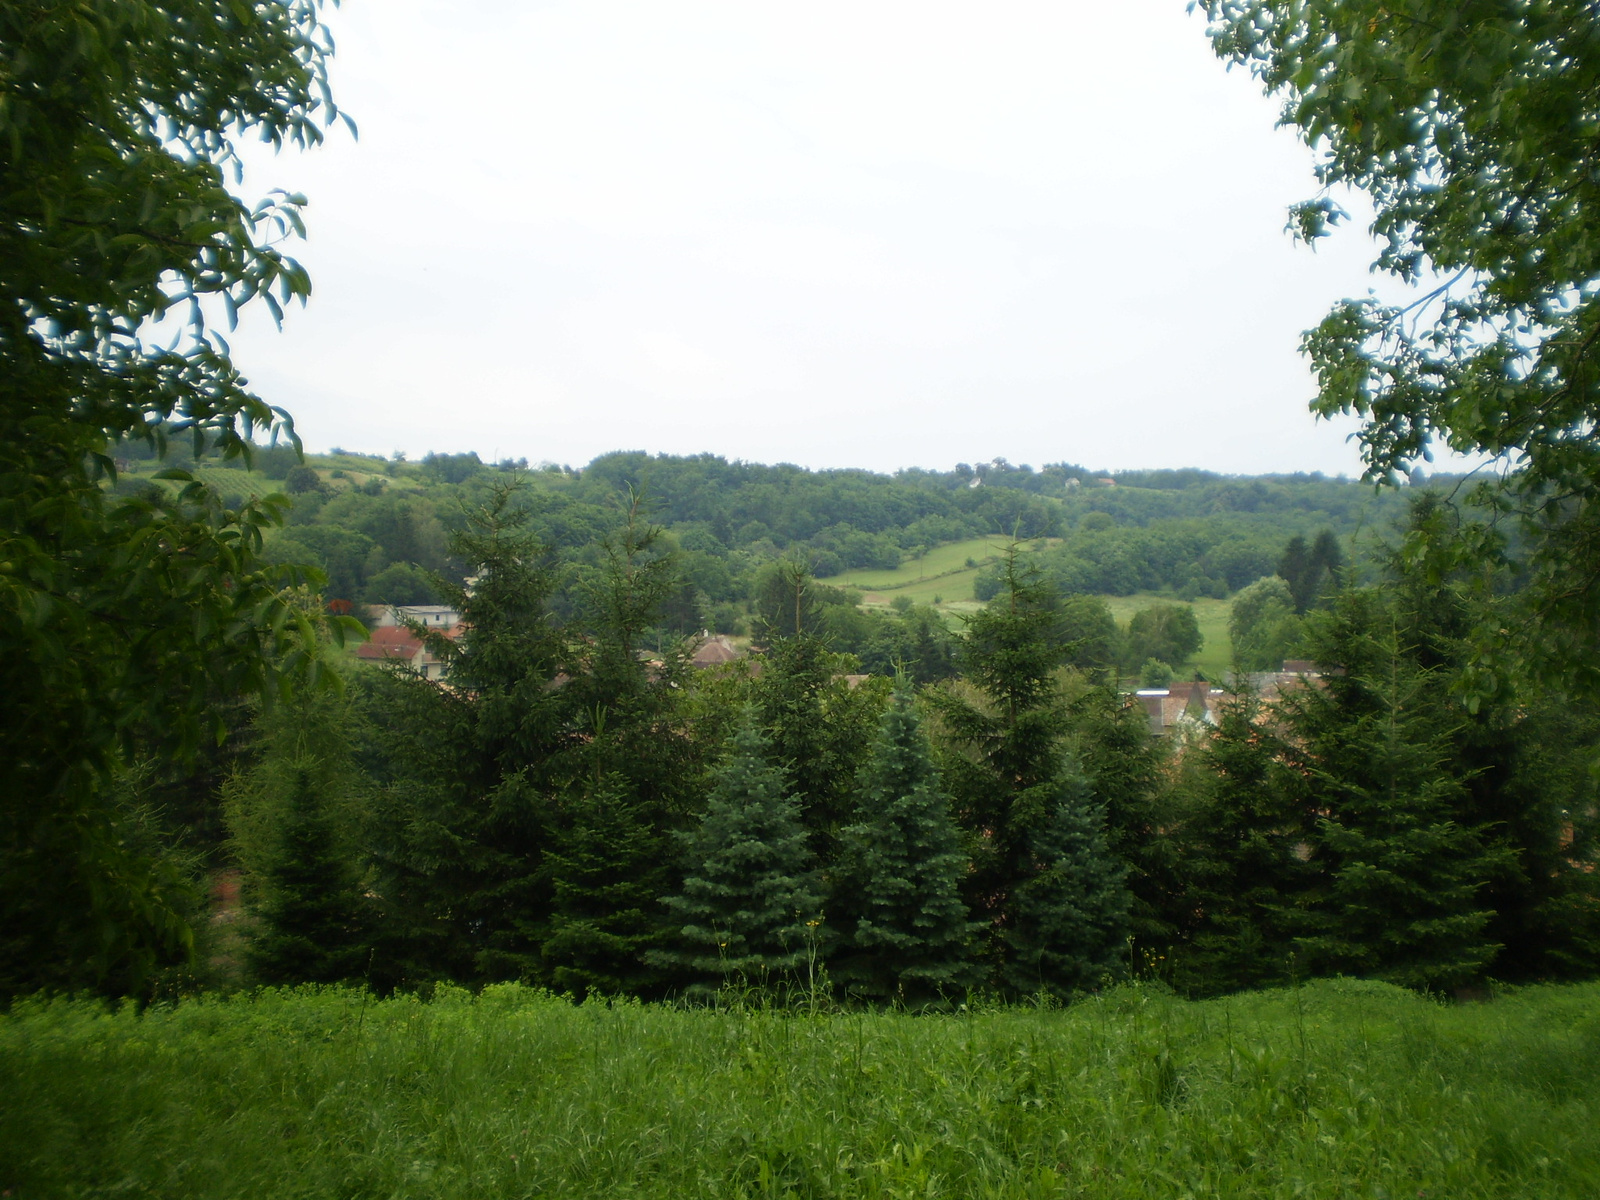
{"x": 877, "y": 233}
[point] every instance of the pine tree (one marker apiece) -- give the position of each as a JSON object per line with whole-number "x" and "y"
{"x": 820, "y": 729}
{"x": 310, "y": 914}
{"x": 1242, "y": 838}
{"x": 1403, "y": 870}
{"x": 903, "y": 928}
{"x": 1068, "y": 925}
{"x": 607, "y": 870}
{"x": 750, "y": 905}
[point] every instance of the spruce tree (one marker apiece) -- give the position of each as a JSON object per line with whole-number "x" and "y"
{"x": 1294, "y": 568}
{"x": 903, "y": 929}
{"x": 631, "y": 773}
{"x": 1521, "y": 746}
{"x": 750, "y": 904}
{"x": 466, "y": 809}
{"x": 820, "y": 729}
{"x": 1403, "y": 868}
{"x": 1126, "y": 768}
{"x": 1068, "y": 925}
{"x": 310, "y": 914}
{"x": 1310, "y": 571}
{"x": 1241, "y": 839}
{"x": 607, "y": 869}
{"x": 1043, "y": 880}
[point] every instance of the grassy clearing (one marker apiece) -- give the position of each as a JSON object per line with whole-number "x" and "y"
{"x": 1216, "y": 654}
{"x": 1340, "y": 1089}
{"x": 942, "y": 572}
{"x": 230, "y": 481}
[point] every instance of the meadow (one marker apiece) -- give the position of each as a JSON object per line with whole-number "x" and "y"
{"x": 1215, "y": 659}
{"x": 941, "y": 575}
{"x": 1337, "y": 1089}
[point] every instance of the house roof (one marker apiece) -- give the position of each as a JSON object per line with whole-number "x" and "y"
{"x": 390, "y": 642}
{"x": 714, "y": 651}
{"x": 1167, "y": 706}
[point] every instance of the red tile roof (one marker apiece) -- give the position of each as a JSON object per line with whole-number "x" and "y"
{"x": 389, "y": 642}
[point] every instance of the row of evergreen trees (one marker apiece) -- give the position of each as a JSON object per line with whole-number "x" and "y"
{"x": 572, "y": 813}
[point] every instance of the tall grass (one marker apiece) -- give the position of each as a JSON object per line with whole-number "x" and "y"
{"x": 1340, "y": 1089}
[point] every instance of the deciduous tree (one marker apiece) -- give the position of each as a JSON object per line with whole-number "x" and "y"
{"x": 125, "y": 619}
{"x": 1470, "y": 129}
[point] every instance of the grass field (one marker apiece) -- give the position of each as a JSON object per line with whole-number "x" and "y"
{"x": 1340, "y": 1089}
{"x": 943, "y": 576}
{"x": 1216, "y": 652}
{"x": 942, "y": 572}
{"x": 357, "y": 470}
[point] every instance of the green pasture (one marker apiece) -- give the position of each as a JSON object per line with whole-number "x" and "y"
{"x": 1216, "y": 652}
{"x": 941, "y": 572}
{"x": 229, "y": 481}
{"x": 942, "y": 576}
{"x": 1340, "y": 1089}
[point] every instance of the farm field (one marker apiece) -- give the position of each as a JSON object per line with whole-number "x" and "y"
{"x": 1216, "y": 653}
{"x": 1338, "y": 1089}
{"x": 230, "y": 481}
{"x": 942, "y": 572}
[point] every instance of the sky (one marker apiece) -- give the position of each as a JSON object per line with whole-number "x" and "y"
{"x": 875, "y": 234}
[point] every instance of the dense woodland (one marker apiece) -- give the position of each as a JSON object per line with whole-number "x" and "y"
{"x": 906, "y": 801}
{"x": 379, "y": 532}
{"x": 377, "y": 527}
{"x": 928, "y": 782}
{"x": 987, "y": 810}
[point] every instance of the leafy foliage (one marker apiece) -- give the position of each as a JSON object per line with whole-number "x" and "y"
{"x": 1263, "y": 626}
{"x": 1469, "y": 128}
{"x": 129, "y": 618}
{"x": 1169, "y": 633}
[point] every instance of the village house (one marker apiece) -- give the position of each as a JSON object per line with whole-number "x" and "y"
{"x": 1169, "y": 707}
{"x": 428, "y": 616}
{"x": 1197, "y": 702}
{"x": 401, "y": 645}
{"x": 714, "y": 650}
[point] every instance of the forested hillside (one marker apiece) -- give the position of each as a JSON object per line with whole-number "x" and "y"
{"x": 377, "y": 527}
{"x": 742, "y": 830}
{"x": 906, "y": 799}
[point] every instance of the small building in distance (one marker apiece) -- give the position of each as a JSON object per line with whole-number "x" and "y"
{"x": 714, "y": 650}
{"x": 401, "y": 646}
{"x": 1294, "y": 672}
{"x": 429, "y": 616}
{"x": 1197, "y": 703}
{"x": 1169, "y": 707}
